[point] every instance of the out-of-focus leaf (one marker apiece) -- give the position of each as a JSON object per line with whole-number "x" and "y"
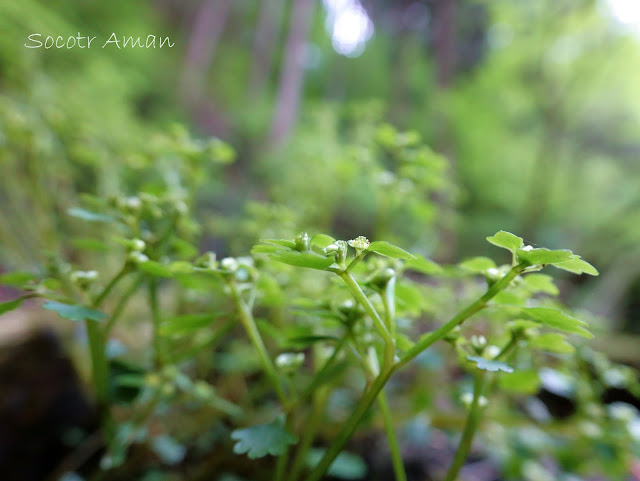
{"x": 541, "y": 283}
{"x": 423, "y": 265}
{"x": 185, "y": 324}
{"x": 345, "y": 466}
{"x": 74, "y": 312}
{"x": 88, "y": 215}
{"x": 552, "y": 342}
{"x": 558, "y": 320}
{"x": 303, "y": 259}
{"x": 489, "y": 365}
{"x": 523, "y": 382}
{"x": 259, "y": 440}
{"x": 477, "y": 265}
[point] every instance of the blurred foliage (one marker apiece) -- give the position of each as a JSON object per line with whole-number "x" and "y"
{"x": 533, "y": 129}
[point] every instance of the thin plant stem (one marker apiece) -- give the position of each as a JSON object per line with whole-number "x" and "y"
{"x": 122, "y": 303}
{"x": 281, "y": 465}
{"x": 249, "y": 324}
{"x": 394, "y": 447}
{"x": 471, "y": 425}
{"x": 156, "y": 319}
{"x": 370, "y": 394}
{"x": 461, "y": 316}
{"x": 379, "y": 324}
{"x": 311, "y": 428}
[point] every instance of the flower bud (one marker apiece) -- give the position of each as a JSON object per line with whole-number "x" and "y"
{"x": 137, "y": 257}
{"x": 360, "y": 244}
{"x": 302, "y": 242}
{"x": 229, "y": 264}
{"x": 290, "y": 362}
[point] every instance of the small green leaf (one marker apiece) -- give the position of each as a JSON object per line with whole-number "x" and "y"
{"x": 321, "y": 240}
{"x": 489, "y": 365}
{"x": 266, "y": 249}
{"x": 506, "y": 240}
{"x": 522, "y": 382}
{"x": 280, "y": 242}
{"x": 477, "y": 265}
{"x": 303, "y": 259}
{"x": 156, "y": 269}
{"x": 552, "y": 342}
{"x": 558, "y": 320}
{"x": 88, "y": 215}
{"x": 17, "y": 279}
{"x": 423, "y": 265}
{"x": 345, "y": 466}
{"x": 541, "y": 283}
{"x": 12, "y": 305}
{"x": 258, "y": 441}
{"x": 577, "y": 266}
{"x": 389, "y": 250}
{"x": 74, "y": 312}
{"x": 185, "y": 324}
{"x": 544, "y": 256}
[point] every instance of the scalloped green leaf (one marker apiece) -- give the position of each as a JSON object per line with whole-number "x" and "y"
{"x": 389, "y": 250}
{"x": 506, "y": 240}
{"x": 490, "y": 365}
{"x": 259, "y": 440}
{"x": 303, "y": 259}
{"x": 558, "y": 320}
{"x": 75, "y": 312}
{"x": 578, "y": 266}
{"x": 552, "y": 342}
{"x": 544, "y": 256}
{"x": 477, "y": 265}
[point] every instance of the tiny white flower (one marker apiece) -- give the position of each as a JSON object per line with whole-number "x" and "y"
{"x": 360, "y": 243}
{"x": 492, "y": 351}
{"x": 493, "y": 272}
{"x": 527, "y": 248}
{"x": 229, "y": 264}
{"x": 138, "y": 257}
{"x": 138, "y": 245}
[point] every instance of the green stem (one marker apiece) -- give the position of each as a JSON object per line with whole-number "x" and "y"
{"x": 156, "y": 319}
{"x": 99, "y": 364}
{"x": 350, "y": 425}
{"x": 461, "y": 316}
{"x": 109, "y": 287}
{"x": 355, "y": 289}
{"x": 371, "y": 393}
{"x": 122, "y": 303}
{"x": 281, "y": 465}
{"x": 249, "y": 324}
{"x": 396, "y": 456}
{"x": 311, "y": 428}
{"x": 471, "y": 424}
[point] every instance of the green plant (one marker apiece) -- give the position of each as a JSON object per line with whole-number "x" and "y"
{"x": 351, "y": 326}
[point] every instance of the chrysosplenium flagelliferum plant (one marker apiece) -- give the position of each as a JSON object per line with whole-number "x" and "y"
{"x": 266, "y": 343}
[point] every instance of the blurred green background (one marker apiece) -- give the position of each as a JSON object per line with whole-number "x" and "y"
{"x": 534, "y": 104}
